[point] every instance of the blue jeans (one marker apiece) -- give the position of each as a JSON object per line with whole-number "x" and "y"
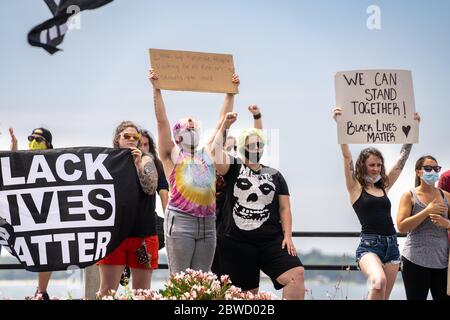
{"x": 385, "y": 247}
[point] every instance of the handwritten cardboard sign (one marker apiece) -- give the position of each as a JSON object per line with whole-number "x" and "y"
{"x": 378, "y": 107}
{"x": 193, "y": 71}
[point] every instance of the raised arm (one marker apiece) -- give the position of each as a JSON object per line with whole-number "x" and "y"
{"x": 256, "y": 112}
{"x": 286, "y": 224}
{"x": 219, "y": 156}
{"x": 165, "y": 143}
{"x": 395, "y": 171}
{"x": 398, "y": 166}
{"x": 13, "y": 139}
{"x": 351, "y": 183}
{"x": 227, "y": 106}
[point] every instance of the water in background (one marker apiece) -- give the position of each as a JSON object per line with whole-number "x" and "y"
{"x": 72, "y": 287}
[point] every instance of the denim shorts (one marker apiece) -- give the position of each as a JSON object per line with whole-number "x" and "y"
{"x": 385, "y": 247}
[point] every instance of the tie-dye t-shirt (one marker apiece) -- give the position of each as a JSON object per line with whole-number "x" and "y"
{"x": 192, "y": 185}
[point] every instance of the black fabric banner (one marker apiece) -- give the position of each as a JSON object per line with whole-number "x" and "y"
{"x": 67, "y": 207}
{"x": 50, "y": 33}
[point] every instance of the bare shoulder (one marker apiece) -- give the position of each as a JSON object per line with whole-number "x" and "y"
{"x": 406, "y": 196}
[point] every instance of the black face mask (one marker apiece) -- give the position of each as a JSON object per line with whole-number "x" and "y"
{"x": 254, "y": 157}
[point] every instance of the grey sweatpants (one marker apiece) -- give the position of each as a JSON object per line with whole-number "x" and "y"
{"x": 190, "y": 241}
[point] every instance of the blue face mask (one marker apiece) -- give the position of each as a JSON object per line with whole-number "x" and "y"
{"x": 430, "y": 177}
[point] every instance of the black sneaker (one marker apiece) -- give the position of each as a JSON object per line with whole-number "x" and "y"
{"x": 125, "y": 278}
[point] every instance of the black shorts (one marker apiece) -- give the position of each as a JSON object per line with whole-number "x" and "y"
{"x": 242, "y": 261}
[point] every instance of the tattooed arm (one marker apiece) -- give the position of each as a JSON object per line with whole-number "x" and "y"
{"x": 148, "y": 176}
{"x": 349, "y": 171}
{"x": 395, "y": 171}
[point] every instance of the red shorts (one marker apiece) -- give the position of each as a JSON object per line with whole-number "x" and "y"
{"x": 125, "y": 254}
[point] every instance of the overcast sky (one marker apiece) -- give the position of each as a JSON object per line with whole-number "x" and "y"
{"x": 286, "y": 53}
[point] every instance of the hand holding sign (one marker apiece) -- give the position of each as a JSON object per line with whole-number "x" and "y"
{"x": 137, "y": 156}
{"x": 152, "y": 76}
{"x": 193, "y": 71}
{"x": 377, "y": 107}
{"x": 336, "y": 113}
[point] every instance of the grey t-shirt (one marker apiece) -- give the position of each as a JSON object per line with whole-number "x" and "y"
{"x": 427, "y": 245}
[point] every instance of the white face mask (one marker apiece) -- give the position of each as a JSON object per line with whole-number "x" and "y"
{"x": 190, "y": 139}
{"x": 374, "y": 180}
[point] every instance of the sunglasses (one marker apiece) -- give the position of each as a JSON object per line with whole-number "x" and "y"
{"x": 255, "y": 145}
{"x": 132, "y": 136}
{"x": 37, "y": 138}
{"x": 232, "y": 148}
{"x": 429, "y": 168}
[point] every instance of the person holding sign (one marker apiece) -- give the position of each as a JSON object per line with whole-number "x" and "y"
{"x": 424, "y": 214}
{"x": 257, "y": 218}
{"x": 147, "y": 146}
{"x": 135, "y": 250}
{"x": 368, "y": 184}
{"x": 190, "y": 215}
{"x": 40, "y": 139}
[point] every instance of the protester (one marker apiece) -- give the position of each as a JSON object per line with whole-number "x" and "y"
{"x": 135, "y": 250}
{"x": 257, "y": 218}
{"x": 39, "y": 139}
{"x": 424, "y": 214}
{"x": 368, "y": 184}
{"x": 231, "y": 148}
{"x": 190, "y": 214}
{"x": 444, "y": 181}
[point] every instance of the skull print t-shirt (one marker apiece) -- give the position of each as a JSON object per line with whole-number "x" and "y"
{"x": 251, "y": 211}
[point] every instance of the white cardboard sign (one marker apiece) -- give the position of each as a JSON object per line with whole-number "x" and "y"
{"x": 377, "y": 107}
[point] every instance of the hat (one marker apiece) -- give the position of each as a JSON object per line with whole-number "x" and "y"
{"x": 45, "y": 134}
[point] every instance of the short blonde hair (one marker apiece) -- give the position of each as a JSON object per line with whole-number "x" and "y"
{"x": 250, "y": 132}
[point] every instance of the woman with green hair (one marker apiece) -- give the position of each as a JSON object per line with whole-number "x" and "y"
{"x": 257, "y": 219}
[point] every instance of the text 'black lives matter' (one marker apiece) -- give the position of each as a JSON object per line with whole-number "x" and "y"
{"x": 67, "y": 207}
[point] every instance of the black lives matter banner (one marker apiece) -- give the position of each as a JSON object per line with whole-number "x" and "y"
{"x": 50, "y": 33}
{"x": 67, "y": 207}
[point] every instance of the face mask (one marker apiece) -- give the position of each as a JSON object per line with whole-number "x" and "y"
{"x": 34, "y": 145}
{"x": 190, "y": 139}
{"x": 253, "y": 156}
{"x": 375, "y": 180}
{"x": 430, "y": 177}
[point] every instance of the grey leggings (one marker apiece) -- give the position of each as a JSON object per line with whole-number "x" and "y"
{"x": 190, "y": 241}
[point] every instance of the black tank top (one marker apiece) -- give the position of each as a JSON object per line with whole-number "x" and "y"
{"x": 374, "y": 214}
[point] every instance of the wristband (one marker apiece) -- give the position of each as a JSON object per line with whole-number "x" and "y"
{"x": 257, "y": 116}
